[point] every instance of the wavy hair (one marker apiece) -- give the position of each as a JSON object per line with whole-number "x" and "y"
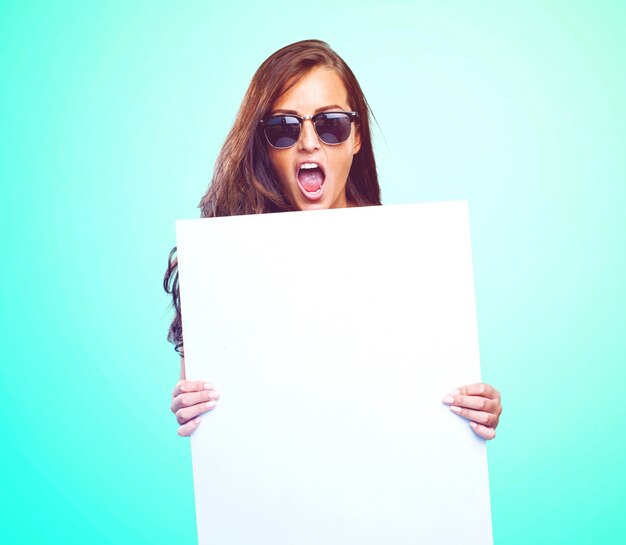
{"x": 244, "y": 181}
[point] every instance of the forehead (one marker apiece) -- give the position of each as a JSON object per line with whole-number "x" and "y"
{"x": 319, "y": 87}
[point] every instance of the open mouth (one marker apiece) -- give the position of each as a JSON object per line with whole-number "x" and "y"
{"x": 311, "y": 180}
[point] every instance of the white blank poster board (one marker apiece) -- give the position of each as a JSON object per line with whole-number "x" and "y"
{"x": 332, "y": 336}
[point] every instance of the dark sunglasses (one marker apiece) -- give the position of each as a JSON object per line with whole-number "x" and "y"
{"x": 283, "y": 131}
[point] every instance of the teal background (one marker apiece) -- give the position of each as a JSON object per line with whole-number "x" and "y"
{"x": 111, "y": 117}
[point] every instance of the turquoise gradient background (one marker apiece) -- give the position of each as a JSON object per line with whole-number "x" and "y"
{"x": 112, "y": 115}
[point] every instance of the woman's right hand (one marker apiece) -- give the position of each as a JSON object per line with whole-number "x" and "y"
{"x": 190, "y": 399}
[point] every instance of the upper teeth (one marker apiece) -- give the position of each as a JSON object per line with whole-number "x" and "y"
{"x": 309, "y": 165}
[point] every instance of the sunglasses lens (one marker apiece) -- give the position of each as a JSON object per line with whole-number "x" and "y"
{"x": 333, "y": 128}
{"x": 282, "y": 131}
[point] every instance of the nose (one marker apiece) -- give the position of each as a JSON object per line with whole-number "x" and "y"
{"x": 309, "y": 140}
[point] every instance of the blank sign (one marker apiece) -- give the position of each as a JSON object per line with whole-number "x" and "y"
{"x": 332, "y": 336}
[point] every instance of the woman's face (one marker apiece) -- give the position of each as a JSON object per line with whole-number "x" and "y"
{"x": 308, "y": 188}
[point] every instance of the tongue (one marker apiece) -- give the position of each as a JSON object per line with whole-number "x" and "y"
{"x": 311, "y": 179}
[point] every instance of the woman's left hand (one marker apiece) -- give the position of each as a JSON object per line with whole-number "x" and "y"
{"x": 480, "y": 404}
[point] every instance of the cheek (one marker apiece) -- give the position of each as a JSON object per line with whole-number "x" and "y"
{"x": 279, "y": 163}
{"x": 342, "y": 165}
{"x": 273, "y": 160}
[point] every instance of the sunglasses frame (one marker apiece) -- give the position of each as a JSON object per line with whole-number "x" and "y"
{"x": 353, "y": 116}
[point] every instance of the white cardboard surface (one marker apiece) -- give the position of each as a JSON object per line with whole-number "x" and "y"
{"x": 332, "y": 336}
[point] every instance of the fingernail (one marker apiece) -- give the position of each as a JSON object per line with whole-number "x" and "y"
{"x": 454, "y": 392}
{"x": 197, "y": 420}
{"x": 447, "y": 400}
{"x": 215, "y": 394}
{"x": 208, "y": 386}
{"x": 473, "y": 425}
{"x": 455, "y": 409}
{"x": 210, "y": 404}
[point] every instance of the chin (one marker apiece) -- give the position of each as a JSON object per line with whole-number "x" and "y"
{"x": 316, "y": 205}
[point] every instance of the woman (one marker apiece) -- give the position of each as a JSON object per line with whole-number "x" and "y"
{"x": 301, "y": 141}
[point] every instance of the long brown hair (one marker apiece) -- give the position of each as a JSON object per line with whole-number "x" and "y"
{"x": 244, "y": 181}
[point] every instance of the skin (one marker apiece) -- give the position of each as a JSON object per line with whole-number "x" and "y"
{"x": 190, "y": 399}
{"x": 322, "y": 90}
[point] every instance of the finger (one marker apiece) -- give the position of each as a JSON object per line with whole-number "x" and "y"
{"x": 183, "y": 386}
{"x": 187, "y": 429}
{"x": 483, "y": 431}
{"x": 188, "y": 413}
{"x": 471, "y": 402}
{"x": 193, "y": 398}
{"x": 480, "y": 389}
{"x": 480, "y": 417}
